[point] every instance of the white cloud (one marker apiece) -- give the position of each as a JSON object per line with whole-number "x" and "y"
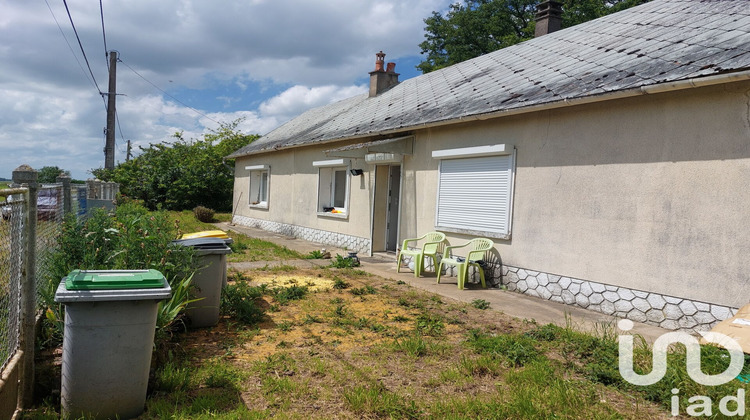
{"x": 298, "y": 99}
{"x": 265, "y": 61}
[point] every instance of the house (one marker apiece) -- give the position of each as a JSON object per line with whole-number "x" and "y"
{"x": 609, "y": 162}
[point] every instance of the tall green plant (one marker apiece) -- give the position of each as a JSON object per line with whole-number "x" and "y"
{"x": 131, "y": 238}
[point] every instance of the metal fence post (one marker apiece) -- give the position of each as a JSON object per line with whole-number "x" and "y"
{"x": 67, "y": 204}
{"x": 27, "y": 176}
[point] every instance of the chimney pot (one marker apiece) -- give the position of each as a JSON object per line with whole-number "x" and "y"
{"x": 548, "y": 18}
{"x": 380, "y": 79}
{"x": 379, "y": 60}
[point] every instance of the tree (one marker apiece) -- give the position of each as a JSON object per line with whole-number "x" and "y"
{"x": 49, "y": 174}
{"x": 183, "y": 174}
{"x": 475, "y": 27}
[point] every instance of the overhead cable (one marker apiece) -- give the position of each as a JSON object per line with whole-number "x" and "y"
{"x": 67, "y": 9}
{"x": 104, "y": 34}
{"x": 93, "y": 82}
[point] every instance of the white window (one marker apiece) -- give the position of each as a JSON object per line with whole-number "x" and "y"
{"x": 475, "y": 190}
{"x": 258, "y": 190}
{"x": 333, "y": 187}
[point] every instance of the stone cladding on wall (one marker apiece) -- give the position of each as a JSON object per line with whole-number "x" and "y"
{"x": 348, "y": 242}
{"x": 670, "y": 312}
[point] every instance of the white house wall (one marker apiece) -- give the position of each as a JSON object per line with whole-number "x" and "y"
{"x": 633, "y": 207}
{"x": 293, "y": 199}
{"x": 644, "y": 198}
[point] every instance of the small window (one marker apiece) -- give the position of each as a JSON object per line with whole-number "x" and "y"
{"x": 258, "y": 194}
{"x": 333, "y": 190}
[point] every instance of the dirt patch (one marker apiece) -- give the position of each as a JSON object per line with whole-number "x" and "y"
{"x": 314, "y": 283}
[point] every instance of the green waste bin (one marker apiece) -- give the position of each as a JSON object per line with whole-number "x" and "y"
{"x": 110, "y": 321}
{"x": 208, "y": 281}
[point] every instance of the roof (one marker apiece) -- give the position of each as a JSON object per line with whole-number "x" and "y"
{"x": 658, "y": 42}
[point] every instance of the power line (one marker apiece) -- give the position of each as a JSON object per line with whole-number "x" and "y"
{"x": 65, "y": 2}
{"x": 164, "y": 92}
{"x": 93, "y": 83}
{"x": 104, "y": 34}
{"x": 119, "y": 127}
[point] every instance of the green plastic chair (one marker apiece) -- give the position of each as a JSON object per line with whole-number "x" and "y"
{"x": 478, "y": 247}
{"x": 431, "y": 247}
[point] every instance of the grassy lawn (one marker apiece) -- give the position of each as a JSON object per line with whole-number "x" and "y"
{"x": 366, "y": 347}
{"x": 243, "y": 247}
{"x": 340, "y": 343}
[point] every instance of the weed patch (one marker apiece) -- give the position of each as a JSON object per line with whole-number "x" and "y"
{"x": 380, "y": 402}
{"x": 514, "y": 349}
{"x": 339, "y": 284}
{"x": 344, "y": 262}
{"x": 428, "y": 323}
{"x": 365, "y": 290}
{"x": 238, "y": 300}
{"x": 480, "y": 304}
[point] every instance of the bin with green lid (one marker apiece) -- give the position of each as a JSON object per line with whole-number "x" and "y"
{"x": 208, "y": 280}
{"x": 110, "y": 321}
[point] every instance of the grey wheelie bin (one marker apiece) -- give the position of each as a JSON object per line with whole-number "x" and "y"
{"x": 110, "y": 321}
{"x": 207, "y": 281}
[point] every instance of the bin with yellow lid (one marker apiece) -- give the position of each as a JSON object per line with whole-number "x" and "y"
{"x": 208, "y": 280}
{"x": 208, "y": 234}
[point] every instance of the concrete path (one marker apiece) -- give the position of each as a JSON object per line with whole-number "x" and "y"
{"x": 510, "y": 303}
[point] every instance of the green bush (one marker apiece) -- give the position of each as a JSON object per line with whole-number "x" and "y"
{"x": 181, "y": 174}
{"x": 129, "y": 238}
{"x": 204, "y": 214}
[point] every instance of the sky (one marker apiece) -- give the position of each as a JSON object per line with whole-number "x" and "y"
{"x": 186, "y": 66}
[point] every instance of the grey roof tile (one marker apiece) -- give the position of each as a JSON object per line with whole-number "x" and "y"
{"x": 657, "y": 42}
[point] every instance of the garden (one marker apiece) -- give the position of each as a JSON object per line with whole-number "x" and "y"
{"x": 334, "y": 341}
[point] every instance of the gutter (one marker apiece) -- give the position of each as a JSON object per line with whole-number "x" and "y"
{"x": 674, "y": 86}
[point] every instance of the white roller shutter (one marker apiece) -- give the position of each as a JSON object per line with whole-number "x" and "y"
{"x": 475, "y": 194}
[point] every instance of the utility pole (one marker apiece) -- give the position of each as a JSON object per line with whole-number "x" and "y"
{"x": 127, "y": 157}
{"x": 109, "y": 146}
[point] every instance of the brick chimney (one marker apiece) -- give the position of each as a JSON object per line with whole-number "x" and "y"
{"x": 548, "y": 17}
{"x": 382, "y": 79}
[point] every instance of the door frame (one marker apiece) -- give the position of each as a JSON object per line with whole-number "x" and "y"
{"x": 373, "y": 223}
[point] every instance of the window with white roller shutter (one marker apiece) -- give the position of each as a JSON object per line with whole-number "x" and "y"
{"x": 475, "y": 190}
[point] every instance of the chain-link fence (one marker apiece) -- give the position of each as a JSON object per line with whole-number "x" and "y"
{"x": 50, "y": 214}
{"x": 32, "y": 219}
{"x": 12, "y": 243}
